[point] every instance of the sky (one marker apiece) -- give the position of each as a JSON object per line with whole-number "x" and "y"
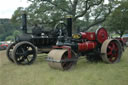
{"x": 7, "y": 7}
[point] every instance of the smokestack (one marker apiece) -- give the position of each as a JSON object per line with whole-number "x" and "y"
{"x": 24, "y": 22}
{"x": 69, "y": 26}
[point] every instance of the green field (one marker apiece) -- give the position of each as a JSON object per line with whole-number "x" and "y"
{"x": 84, "y": 73}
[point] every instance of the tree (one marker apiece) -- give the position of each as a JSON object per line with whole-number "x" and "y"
{"x": 49, "y": 12}
{"x": 10, "y": 38}
{"x": 77, "y": 8}
{"x": 16, "y": 17}
{"x": 16, "y": 33}
{"x": 118, "y": 20}
{"x": 7, "y": 28}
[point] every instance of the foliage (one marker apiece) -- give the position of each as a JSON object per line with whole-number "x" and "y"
{"x": 6, "y": 29}
{"x": 118, "y": 21}
{"x": 10, "y": 38}
{"x": 16, "y": 17}
{"x": 49, "y": 12}
{"x": 16, "y": 33}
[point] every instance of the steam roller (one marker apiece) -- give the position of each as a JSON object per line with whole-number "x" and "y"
{"x": 95, "y": 46}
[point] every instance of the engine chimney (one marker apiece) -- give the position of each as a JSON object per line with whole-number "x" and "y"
{"x": 24, "y": 22}
{"x": 69, "y": 26}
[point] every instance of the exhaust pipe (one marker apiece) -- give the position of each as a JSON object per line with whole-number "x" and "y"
{"x": 69, "y": 26}
{"x": 24, "y": 22}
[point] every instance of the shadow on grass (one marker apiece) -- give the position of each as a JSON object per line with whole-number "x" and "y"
{"x": 40, "y": 58}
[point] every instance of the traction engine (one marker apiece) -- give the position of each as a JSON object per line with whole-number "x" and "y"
{"x": 26, "y": 46}
{"x": 96, "y": 46}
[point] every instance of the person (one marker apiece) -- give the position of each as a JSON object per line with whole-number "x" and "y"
{"x": 36, "y": 30}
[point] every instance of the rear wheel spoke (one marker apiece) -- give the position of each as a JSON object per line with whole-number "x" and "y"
{"x": 20, "y": 54}
{"x": 109, "y": 53}
{"x": 30, "y": 52}
{"x": 27, "y": 59}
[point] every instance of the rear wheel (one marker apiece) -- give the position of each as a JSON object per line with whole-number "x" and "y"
{"x": 24, "y": 53}
{"x": 111, "y": 51}
{"x": 9, "y": 51}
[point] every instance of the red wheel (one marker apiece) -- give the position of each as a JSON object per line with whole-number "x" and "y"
{"x": 111, "y": 50}
{"x": 101, "y": 35}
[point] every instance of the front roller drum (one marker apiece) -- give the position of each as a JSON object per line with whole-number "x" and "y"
{"x": 111, "y": 51}
{"x": 59, "y": 59}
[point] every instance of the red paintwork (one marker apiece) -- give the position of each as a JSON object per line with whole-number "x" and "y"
{"x": 86, "y": 46}
{"x": 125, "y": 39}
{"x": 3, "y": 45}
{"x": 122, "y": 40}
{"x": 64, "y": 47}
{"x": 102, "y": 35}
{"x": 88, "y": 35}
{"x": 112, "y": 52}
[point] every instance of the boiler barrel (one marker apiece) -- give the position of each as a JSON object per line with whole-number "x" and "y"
{"x": 89, "y": 45}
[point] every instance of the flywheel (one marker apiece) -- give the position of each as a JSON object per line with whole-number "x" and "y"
{"x": 101, "y": 35}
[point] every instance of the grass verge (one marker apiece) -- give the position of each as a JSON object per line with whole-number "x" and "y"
{"x": 84, "y": 73}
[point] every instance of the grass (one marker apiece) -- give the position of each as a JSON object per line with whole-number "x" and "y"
{"x": 84, "y": 73}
